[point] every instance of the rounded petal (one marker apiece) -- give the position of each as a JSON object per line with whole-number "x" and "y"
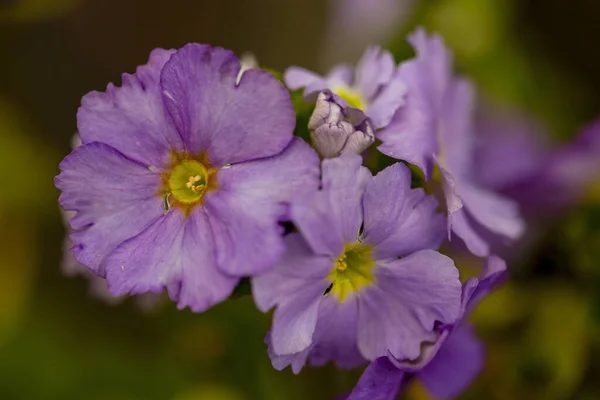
{"x": 455, "y": 366}
{"x": 331, "y": 217}
{"x": 175, "y": 253}
{"x": 299, "y": 267}
{"x": 232, "y": 123}
{"x": 380, "y": 381}
{"x": 339, "y": 75}
{"x": 467, "y": 230}
{"x": 398, "y": 313}
{"x": 115, "y": 198}
{"x": 251, "y": 199}
{"x": 399, "y": 220}
{"x": 132, "y": 118}
{"x": 280, "y": 362}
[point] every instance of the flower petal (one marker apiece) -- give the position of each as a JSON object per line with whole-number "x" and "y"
{"x": 232, "y": 123}
{"x": 299, "y": 267}
{"x": 297, "y": 78}
{"x": 331, "y": 217}
{"x": 176, "y": 253}
{"x": 380, "y": 381}
{"x": 455, "y": 366}
{"x": 132, "y": 118}
{"x": 385, "y": 104}
{"x": 400, "y": 220}
{"x": 398, "y": 313}
{"x": 375, "y": 69}
{"x": 335, "y": 336}
{"x": 115, "y": 198}
{"x": 251, "y": 199}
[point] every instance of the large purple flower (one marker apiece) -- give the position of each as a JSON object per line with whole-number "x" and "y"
{"x": 374, "y": 87}
{"x": 446, "y": 367}
{"x": 183, "y": 175}
{"x": 361, "y": 279}
{"x": 435, "y": 128}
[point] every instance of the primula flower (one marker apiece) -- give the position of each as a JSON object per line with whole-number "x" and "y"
{"x": 183, "y": 175}
{"x": 374, "y": 87}
{"x": 435, "y": 128}
{"x": 513, "y": 156}
{"x": 360, "y": 279}
{"x": 335, "y": 130}
{"x": 446, "y": 367}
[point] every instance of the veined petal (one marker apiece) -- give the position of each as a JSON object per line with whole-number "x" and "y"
{"x": 132, "y": 118}
{"x": 251, "y": 199}
{"x": 231, "y": 122}
{"x": 175, "y": 253}
{"x": 380, "y": 381}
{"x": 115, "y": 198}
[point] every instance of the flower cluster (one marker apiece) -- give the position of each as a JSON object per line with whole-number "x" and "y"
{"x": 188, "y": 179}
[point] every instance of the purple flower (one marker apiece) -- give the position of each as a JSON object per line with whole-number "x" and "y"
{"x": 434, "y": 128}
{"x": 513, "y": 157}
{"x": 335, "y": 130}
{"x": 183, "y": 175}
{"x": 446, "y": 367}
{"x": 361, "y": 279}
{"x": 374, "y": 87}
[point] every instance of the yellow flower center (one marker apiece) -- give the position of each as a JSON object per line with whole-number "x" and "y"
{"x": 352, "y": 271}
{"x": 188, "y": 181}
{"x": 350, "y": 96}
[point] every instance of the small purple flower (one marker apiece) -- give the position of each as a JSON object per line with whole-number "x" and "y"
{"x": 434, "y": 128}
{"x": 446, "y": 367}
{"x": 513, "y": 157}
{"x": 361, "y": 279}
{"x": 335, "y": 130}
{"x": 183, "y": 175}
{"x": 374, "y": 87}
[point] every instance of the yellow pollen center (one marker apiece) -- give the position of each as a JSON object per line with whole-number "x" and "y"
{"x": 352, "y": 271}
{"x": 188, "y": 181}
{"x": 350, "y": 96}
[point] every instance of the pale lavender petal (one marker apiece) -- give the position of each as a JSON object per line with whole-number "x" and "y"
{"x": 456, "y": 128}
{"x": 496, "y": 213}
{"x": 455, "y": 366}
{"x": 251, "y": 199}
{"x": 331, "y": 217}
{"x": 375, "y": 69}
{"x": 493, "y": 275}
{"x": 280, "y": 362}
{"x": 399, "y": 220}
{"x": 467, "y": 230}
{"x": 232, "y": 123}
{"x": 132, "y": 118}
{"x": 115, "y": 198}
{"x": 411, "y": 294}
{"x": 335, "y": 336}
{"x": 176, "y": 253}
{"x": 380, "y": 381}
{"x": 412, "y": 134}
{"x": 295, "y": 319}
{"x": 297, "y": 78}
{"x": 383, "y": 107}
{"x": 297, "y": 268}
{"x": 339, "y": 75}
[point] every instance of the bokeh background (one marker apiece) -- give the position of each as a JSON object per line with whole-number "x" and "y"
{"x": 59, "y": 341}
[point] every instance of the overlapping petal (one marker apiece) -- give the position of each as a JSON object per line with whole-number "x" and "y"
{"x": 132, "y": 118}
{"x": 230, "y": 122}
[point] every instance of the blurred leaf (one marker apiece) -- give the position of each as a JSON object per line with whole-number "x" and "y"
{"x": 36, "y": 10}
{"x": 17, "y": 266}
{"x": 210, "y": 392}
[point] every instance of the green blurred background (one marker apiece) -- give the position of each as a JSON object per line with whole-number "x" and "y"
{"x": 59, "y": 342}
